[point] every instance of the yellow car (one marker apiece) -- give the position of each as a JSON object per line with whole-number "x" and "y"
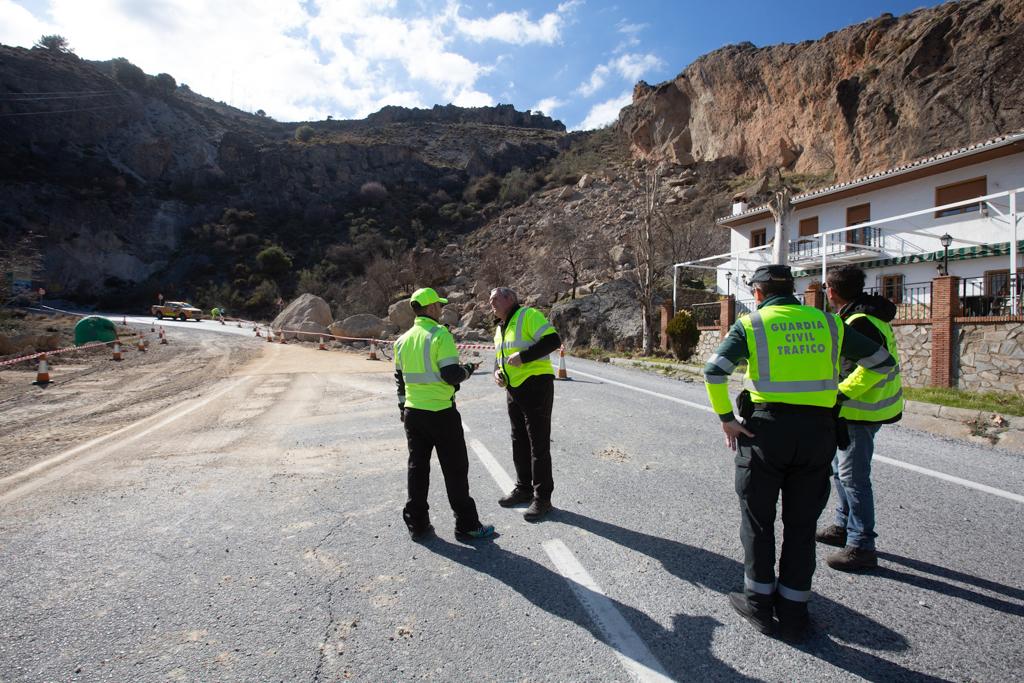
{"x": 182, "y": 310}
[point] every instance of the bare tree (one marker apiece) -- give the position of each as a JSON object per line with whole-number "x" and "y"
{"x": 642, "y": 236}
{"x": 780, "y": 207}
{"x": 574, "y": 253}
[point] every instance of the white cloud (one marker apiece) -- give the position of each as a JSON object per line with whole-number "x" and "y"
{"x": 605, "y": 112}
{"x": 631, "y": 35}
{"x": 598, "y": 77}
{"x": 19, "y": 27}
{"x": 516, "y": 27}
{"x": 548, "y": 105}
{"x": 629, "y": 67}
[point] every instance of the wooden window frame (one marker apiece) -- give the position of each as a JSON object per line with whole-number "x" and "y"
{"x": 991, "y": 275}
{"x": 759, "y": 232}
{"x": 856, "y": 236}
{"x": 967, "y": 208}
{"x": 800, "y": 229}
{"x": 893, "y": 283}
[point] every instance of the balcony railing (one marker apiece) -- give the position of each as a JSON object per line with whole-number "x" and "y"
{"x": 851, "y": 244}
{"x": 991, "y": 294}
{"x": 913, "y": 301}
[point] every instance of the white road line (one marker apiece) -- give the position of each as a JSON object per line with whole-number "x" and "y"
{"x": 501, "y": 478}
{"x": 684, "y": 402}
{"x": 949, "y": 477}
{"x": 169, "y": 415}
{"x": 889, "y": 461}
{"x": 626, "y": 644}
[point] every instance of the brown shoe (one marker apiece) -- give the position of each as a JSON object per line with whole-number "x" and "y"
{"x": 832, "y": 535}
{"x": 537, "y": 510}
{"x": 851, "y": 559}
{"x": 517, "y": 497}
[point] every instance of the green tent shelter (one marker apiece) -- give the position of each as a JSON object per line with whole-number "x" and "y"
{"x": 94, "y": 328}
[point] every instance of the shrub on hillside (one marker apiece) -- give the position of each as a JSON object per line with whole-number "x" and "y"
{"x": 517, "y": 186}
{"x": 263, "y": 301}
{"x": 373, "y": 192}
{"x": 304, "y": 133}
{"x": 54, "y": 43}
{"x": 683, "y": 334}
{"x": 164, "y": 85}
{"x": 483, "y": 190}
{"x": 274, "y": 261}
{"x": 129, "y": 75}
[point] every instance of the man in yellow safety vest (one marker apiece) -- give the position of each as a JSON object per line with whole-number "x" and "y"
{"x": 428, "y": 373}
{"x": 854, "y": 527}
{"x": 522, "y": 342}
{"x": 787, "y": 439}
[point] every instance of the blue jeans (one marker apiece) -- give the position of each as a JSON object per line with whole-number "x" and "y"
{"x": 852, "y": 478}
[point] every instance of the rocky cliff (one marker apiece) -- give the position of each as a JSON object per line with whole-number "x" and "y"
{"x": 867, "y": 97}
{"x": 119, "y": 176}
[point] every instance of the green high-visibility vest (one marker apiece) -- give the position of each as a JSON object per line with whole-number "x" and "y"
{"x": 522, "y": 331}
{"x": 420, "y": 354}
{"x": 793, "y": 355}
{"x": 883, "y": 401}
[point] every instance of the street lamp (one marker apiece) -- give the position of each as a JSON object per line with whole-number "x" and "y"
{"x": 728, "y": 283}
{"x": 945, "y": 241}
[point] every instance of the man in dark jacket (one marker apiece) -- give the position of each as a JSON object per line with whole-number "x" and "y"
{"x": 854, "y": 528}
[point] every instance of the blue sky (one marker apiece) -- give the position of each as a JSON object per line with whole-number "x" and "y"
{"x": 576, "y": 60}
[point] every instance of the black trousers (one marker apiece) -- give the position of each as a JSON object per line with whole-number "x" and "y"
{"x": 790, "y": 453}
{"x": 425, "y": 431}
{"x": 529, "y": 411}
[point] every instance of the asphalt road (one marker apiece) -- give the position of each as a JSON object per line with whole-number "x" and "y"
{"x": 254, "y": 533}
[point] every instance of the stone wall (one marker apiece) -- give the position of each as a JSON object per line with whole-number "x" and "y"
{"x": 915, "y": 345}
{"x": 709, "y": 341}
{"x": 991, "y": 357}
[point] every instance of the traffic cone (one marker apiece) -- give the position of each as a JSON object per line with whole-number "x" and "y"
{"x": 257, "y": 332}
{"x": 322, "y": 347}
{"x": 373, "y": 351}
{"x": 163, "y": 337}
{"x": 116, "y": 355}
{"x": 239, "y": 323}
{"x": 124, "y": 320}
{"x": 562, "y": 374}
{"x": 142, "y": 343}
{"x": 282, "y": 339}
{"x": 145, "y": 345}
{"x": 152, "y": 328}
{"x": 270, "y": 335}
{"x": 43, "y": 373}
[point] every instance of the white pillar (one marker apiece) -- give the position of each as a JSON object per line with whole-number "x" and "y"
{"x": 1014, "y": 297}
{"x": 675, "y": 286}
{"x": 824, "y": 269}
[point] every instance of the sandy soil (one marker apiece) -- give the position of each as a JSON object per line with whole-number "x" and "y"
{"x": 91, "y": 395}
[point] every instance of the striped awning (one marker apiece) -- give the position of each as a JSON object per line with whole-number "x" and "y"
{"x": 960, "y": 254}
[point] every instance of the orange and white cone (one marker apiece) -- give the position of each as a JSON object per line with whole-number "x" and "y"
{"x": 322, "y": 346}
{"x": 282, "y": 339}
{"x": 270, "y": 335}
{"x": 142, "y": 343}
{"x": 562, "y": 374}
{"x": 124, "y": 320}
{"x": 257, "y": 332}
{"x": 152, "y": 328}
{"x": 163, "y": 337}
{"x": 116, "y": 355}
{"x": 43, "y": 373}
{"x": 373, "y": 351}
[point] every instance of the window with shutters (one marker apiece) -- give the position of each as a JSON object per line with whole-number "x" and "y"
{"x": 997, "y": 283}
{"x": 808, "y": 226}
{"x": 892, "y": 288}
{"x": 958, "y": 192}
{"x": 758, "y": 238}
{"x": 854, "y": 216}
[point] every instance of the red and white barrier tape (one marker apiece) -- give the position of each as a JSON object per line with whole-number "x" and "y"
{"x": 55, "y": 352}
{"x": 382, "y": 342}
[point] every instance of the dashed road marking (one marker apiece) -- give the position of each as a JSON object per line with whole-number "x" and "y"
{"x": 498, "y": 473}
{"x": 889, "y": 461}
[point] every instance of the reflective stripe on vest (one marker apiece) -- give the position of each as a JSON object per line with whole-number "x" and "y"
{"x": 424, "y": 387}
{"x": 883, "y": 401}
{"x": 767, "y": 381}
{"x": 505, "y": 347}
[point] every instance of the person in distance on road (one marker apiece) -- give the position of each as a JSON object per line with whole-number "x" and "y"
{"x": 523, "y": 340}
{"x": 854, "y": 527}
{"x": 787, "y": 438}
{"x": 428, "y": 373}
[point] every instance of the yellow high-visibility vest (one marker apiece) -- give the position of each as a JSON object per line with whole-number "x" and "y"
{"x": 884, "y": 400}
{"x": 523, "y": 330}
{"x": 420, "y": 354}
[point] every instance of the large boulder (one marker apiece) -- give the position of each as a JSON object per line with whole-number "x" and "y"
{"x": 609, "y": 318}
{"x": 400, "y": 314}
{"x": 305, "y": 318}
{"x": 450, "y": 315}
{"x": 360, "y": 326}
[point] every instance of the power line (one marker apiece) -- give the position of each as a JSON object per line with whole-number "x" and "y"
{"x": 63, "y": 111}
{"x": 38, "y": 98}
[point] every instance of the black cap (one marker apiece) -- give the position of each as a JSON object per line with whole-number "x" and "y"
{"x": 774, "y": 273}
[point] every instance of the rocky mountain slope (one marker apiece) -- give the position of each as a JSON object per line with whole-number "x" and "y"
{"x": 869, "y": 96}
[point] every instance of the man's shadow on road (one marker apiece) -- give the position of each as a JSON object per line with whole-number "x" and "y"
{"x": 690, "y": 635}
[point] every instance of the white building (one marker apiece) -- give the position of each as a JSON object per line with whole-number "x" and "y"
{"x": 971, "y": 195}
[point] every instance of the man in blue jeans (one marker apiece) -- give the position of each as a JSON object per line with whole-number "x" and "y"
{"x": 854, "y": 528}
